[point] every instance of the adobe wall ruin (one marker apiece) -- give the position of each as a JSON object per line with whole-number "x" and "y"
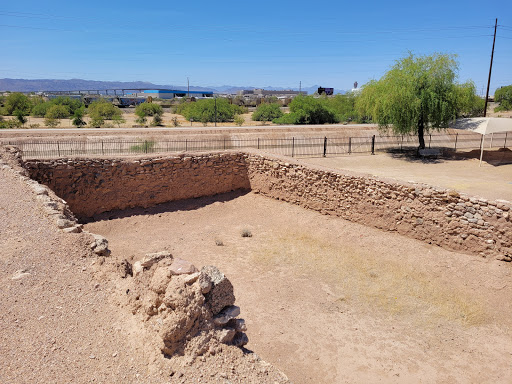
{"x": 436, "y": 216}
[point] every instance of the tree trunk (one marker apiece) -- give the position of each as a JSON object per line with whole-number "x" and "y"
{"x": 420, "y": 134}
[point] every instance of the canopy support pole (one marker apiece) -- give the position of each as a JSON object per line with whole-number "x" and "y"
{"x": 481, "y": 150}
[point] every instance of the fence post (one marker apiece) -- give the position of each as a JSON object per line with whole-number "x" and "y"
{"x": 224, "y": 143}
{"x": 429, "y": 140}
{"x": 325, "y": 146}
{"x": 492, "y": 136}
{"x": 401, "y": 143}
{"x": 373, "y": 145}
{"x": 58, "y": 148}
{"x": 293, "y": 146}
{"x": 102, "y": 151}
{"x": 456, "y": 138}
{"x": 258, "y": 143}
{"x": 145, "y": 146}
{"x": 505, "y": 144}
{"x": 186, "y": 145}
{"x": 349, "y": 145}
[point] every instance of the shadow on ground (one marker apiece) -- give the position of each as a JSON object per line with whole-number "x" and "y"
{"x": 172, "y": 206}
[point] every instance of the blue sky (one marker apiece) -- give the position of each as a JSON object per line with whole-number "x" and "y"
{"x": 259, "y": 43}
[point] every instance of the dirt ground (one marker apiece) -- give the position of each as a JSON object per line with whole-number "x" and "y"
{"x": 330, "y": 301}
{"x": 493, "y": 180}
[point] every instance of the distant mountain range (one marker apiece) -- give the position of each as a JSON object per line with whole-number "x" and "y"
{"x": 24, "y": 85}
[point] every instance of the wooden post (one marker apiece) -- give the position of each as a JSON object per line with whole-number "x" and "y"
{"x": 325, "y": 146}
{"x": 373, "y": 145}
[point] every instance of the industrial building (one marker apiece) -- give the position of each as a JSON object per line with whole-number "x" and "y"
{"x": 172, "y": 93}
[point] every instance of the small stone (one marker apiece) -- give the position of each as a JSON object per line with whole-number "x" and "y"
{"x": 226, "y": 335}
{"x": 20, "y": 274}
{"x": 114, "y": 354}
{"x": 226, "y": 314}
{"x": 182, "y": 267}
{"x": 191, "y": 279}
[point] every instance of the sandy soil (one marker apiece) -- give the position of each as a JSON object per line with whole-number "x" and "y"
{"x": 61, "y": 320}
{"x": 329, "y": 301}
{"x": 493, "y": 180}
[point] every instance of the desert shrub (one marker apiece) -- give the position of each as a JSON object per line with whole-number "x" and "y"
{"x": 246, "y": 233}
{"x": 219, "y": 243}
{"x": 239, "y": 120}
{"x": 175, "y": 122}
{"x": 148, "y": 109}
{"x": 157, "y": 121}
{"x": 102, "y": 110}
{"x": 204, "y": 110}
{"x": 17, "y": 101}
{"x": 267, "y": 112}
{"x": 51, "y": 122}
{"x": 309, "y": 110}
{"x": 34, "y": 125}
{"x": 10, "y": 124}
{"x": 145, "y": 146}
{"x": 118, "y": 120}
{"x": 57, "y": 112}
{"x": 503, "y": 95}
{"x": 40, "y": 109}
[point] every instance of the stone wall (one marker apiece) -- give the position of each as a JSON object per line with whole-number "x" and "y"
{"x": 436, "y": 216}
{"x": 93, "y": 186}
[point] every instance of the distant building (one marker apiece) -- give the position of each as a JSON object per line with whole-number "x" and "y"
{"x": 172, "y": 93}
{"x": 325, "y": 91}
{"x": 258, "y": 92}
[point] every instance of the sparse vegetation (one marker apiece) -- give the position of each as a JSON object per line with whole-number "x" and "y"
{"x": 101, "y": 110}
{"x": 51, "y": 122}
{"x": 309, "y": 110}
{"x": 246, "y": 233}
{"x": 204, "y": 110}
{"x": 219, "y": 243}
{"x": 503, "y": 95}
{"x": 239, "y": 120}
{"x": 145, "y": 146}
{"x": 267, "y": 112}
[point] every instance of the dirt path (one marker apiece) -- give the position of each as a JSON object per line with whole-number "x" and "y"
{"x": 330, "y": 301}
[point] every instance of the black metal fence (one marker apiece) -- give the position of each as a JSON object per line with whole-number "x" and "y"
{"x": 294, "y": 146}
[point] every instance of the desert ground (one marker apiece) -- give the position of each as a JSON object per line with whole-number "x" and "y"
{"x": 325, "y": 300}
{"x": 330, "y": 301}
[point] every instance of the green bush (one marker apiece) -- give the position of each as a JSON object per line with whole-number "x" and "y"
{"x": 309, "y": 110}
{"x": 40, "y": 109}
{"x": 10, "y": 124}
{"x": 267, "y": 112}
{"x": 239, "y": 120}
{"x": 51, "y": 122}
{"x": 503, "y": 95}
{"x": 148, "y": 109}
{"x": 57, "y": 112}
{"x": 17, "y": 102}
{"x": 102, "y": 110}
{"x": 204, "y": 110}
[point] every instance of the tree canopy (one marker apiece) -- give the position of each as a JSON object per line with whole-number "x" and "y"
{"x": 101, "y": 110}
{"x": 503, "y": 95}
{"x": 204, "y": 110}
{"x": 309, "y": 110}
{"x": 267, "y": 112}
{"x": 17, "y": 103}
{"x": 417, "y": 94}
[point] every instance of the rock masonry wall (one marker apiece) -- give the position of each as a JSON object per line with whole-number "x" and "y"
{"x": 93, "y": 186}
{"x": 436, "y": 216}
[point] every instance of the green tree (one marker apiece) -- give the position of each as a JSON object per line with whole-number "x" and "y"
{"x": 101, "y": 110}
{"x": 503, "y": 95}
{"x": 20, "y": 116}
{"x": 57, "y": 112}
{"x": 148, "y": 109}
{"x": 417, "y": 94}
{"x": 17, "y": 102}
{"x": 206, "y": 110}
{"x": 309, "y": 110}
{"x": 78, "y": 117}
{"x": 267, "y": 112}
{"x": 239, "y": 120}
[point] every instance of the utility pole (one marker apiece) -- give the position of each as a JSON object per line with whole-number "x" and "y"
{"x": 215, "y": 110}
{"x": 300, "y": 87}
{"x": 490, "y": 69}
{"x": 188, "y": 89}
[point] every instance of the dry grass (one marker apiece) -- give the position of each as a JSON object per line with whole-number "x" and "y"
{"x": 368, "y": 279}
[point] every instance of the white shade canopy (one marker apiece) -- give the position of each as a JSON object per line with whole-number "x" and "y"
{"x": 484, "y": 125}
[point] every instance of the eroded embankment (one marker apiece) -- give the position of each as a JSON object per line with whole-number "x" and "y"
{"x": 437, "y": 216}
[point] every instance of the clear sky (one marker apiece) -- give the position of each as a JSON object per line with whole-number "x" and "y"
{"x": 258, "y": 43}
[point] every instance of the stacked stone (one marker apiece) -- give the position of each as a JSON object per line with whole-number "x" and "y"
{"x": 434, "y": 215}
{"x": 192, "y": 310}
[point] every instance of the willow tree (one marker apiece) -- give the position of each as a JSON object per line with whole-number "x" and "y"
{"x": 418, "y": 94}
